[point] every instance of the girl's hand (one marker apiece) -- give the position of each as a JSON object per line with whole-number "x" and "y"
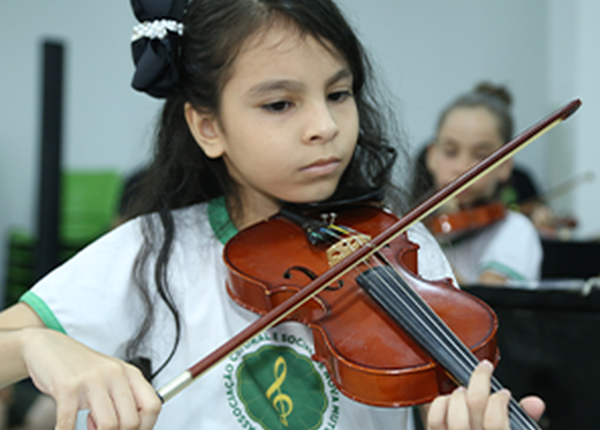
{"x": 474, "y": 408}
{"x": 116, "y": 393}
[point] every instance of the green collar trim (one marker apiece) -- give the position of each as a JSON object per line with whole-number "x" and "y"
{"x": 502, "y": 270}
{"x": 219, "y": 220}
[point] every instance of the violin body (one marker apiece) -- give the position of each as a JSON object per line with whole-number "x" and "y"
{"x": 368, "y": 356}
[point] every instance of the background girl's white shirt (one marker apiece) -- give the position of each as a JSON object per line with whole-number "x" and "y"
{"x": 510, "y": 248}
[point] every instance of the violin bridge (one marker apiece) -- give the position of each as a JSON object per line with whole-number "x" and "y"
{"x": 345, "y": 247}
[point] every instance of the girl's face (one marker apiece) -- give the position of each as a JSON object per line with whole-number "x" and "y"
{"x": 288, "y": 123}
{"x": 467, "y": 136}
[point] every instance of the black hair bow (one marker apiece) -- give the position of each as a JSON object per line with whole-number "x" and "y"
{"x": 156, "y": 58}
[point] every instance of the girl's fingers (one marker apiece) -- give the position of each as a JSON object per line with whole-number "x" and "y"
{"x": 534, "y": 406}
{"x": 91, "y": 424}
{"x": 77, "y": 377}
{"x": 496, "y": 413}
{"x": 473, "y": 408}
{"x": 438, "y": 411}
{"x": 129, "y": 402}
{"x": 102, "y": 409}
{"x": 147, "y": 401}
{"x": 458, "y": 410}
{"x": 66, "y": 413}
{"x": 125, "y": 405}
{"x": 478, "y": 393}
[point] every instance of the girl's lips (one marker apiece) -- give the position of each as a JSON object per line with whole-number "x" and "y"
{"x": 322, "y": 167}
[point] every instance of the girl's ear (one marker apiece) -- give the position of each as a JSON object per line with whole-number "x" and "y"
{"x": 430, "y": 157}
{"x": 205, "y": 130}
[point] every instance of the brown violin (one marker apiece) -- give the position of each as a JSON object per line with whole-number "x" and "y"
{"x": 368, "y": 355}
{"x": 449, "y": 225}
{"x": 370, "y": 251}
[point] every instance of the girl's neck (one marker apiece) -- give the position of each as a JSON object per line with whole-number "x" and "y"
{"x": 245, "y": 211}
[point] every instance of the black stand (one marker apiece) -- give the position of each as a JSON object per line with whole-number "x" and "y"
{"x": 550, "y": 345}
{"x": 48, "y": 216}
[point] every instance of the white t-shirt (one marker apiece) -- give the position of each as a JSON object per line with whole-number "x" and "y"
{"x": 92, "y": 298}
{"x": 511, "y": 247}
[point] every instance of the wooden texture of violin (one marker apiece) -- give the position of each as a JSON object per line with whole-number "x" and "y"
{"x": 454, "y": 224}
{"x": 369, "y": 357}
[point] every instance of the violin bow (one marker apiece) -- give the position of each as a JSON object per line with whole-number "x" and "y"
{"x": 277, "y": 314}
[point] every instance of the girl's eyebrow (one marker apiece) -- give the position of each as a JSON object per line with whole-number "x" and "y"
{"x": 342, "y": 74}
{"x": 294, "y": 86}
{"x": 275, "y": 85}
{"x": 483, "y": 145}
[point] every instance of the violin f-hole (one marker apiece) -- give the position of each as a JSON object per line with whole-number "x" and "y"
{"x": 311, "y": 275}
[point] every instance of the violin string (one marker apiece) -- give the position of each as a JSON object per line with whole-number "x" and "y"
{"x": 465, "y": 365}
{"x": 436, "y": 328}
{"x": 428, "y": 320}
{"x": 465, "y": 359}
{"x": 517, "y": 414}
{"x": 434, "y": 321}
{"x": 431, "y": 323}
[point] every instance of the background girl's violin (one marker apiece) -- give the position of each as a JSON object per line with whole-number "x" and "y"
{"x": 449, "y": 225}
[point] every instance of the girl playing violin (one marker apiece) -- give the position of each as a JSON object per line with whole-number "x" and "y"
{"x": 266, "y": 101}
{"x": 469, "y": 129}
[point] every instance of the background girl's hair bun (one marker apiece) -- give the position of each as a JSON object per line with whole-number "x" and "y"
{"x": 497, "y": 91}
{"x": 155, "y": 54}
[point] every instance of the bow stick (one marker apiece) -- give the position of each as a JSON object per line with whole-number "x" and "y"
{"x": 415, "y": 215}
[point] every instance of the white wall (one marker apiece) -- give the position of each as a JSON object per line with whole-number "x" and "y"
{"x": 433, "y": 50}
{"x": 587, "y": 203}
{"x": 429, "y": 51}
{"x": 574, "y": 64}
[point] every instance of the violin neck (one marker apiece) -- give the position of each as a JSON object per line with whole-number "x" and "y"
{"x": 393, "y": 293}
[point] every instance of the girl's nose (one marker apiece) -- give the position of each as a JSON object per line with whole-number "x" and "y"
{"x": 461, "y": 165}
{"x": 321, "y": 126}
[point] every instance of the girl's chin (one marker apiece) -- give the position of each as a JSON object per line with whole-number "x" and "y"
{"x": 466, "y": 199}
{"x": 301, "y": 200}
{"x": 312, "y": 194}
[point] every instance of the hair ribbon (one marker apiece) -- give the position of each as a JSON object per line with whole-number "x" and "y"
{"x": 155, "y": 46}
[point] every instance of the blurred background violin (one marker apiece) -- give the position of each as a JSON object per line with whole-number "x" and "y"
{"x": 522, "y": 195}
{"x": 519, "y": 194}
{"x": 454, "y": 224}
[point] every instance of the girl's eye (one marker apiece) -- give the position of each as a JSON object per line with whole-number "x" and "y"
{"x": 339, "y": 96}
{"x": 449, "y": 152}
{"x": 277, "y": 106}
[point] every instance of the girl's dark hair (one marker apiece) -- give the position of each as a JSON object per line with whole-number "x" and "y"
{"x": 181, "y": 175}
{"x": 495, "y": 98}
{"x": 422, "y": 181}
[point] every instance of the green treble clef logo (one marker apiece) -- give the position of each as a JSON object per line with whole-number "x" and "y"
{"x": 267, "y": 381}
{"x": 281, "y": 402}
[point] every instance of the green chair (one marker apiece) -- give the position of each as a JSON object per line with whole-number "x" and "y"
{"x": 90, "y": 201}
{"x": 90, "y": 204}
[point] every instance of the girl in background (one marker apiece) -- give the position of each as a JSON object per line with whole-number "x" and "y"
{"x": 469, "y": 129}
{"x": 266, "y": 101}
